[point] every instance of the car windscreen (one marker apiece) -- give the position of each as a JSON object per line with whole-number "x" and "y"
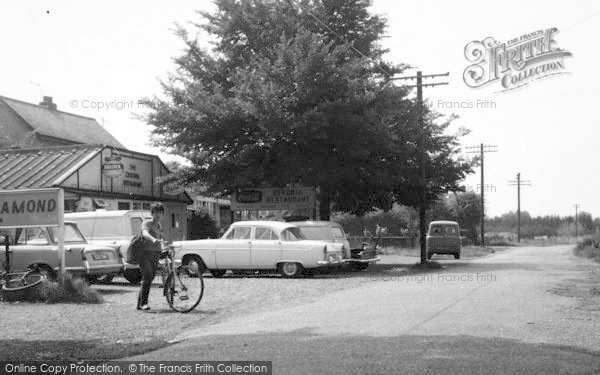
{"x": 443, "y": 230}
{"x": 317, "y": 233}
{"x": 72, "y": 234}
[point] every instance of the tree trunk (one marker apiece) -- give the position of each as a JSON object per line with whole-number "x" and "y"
{"x": 324, "y": 203}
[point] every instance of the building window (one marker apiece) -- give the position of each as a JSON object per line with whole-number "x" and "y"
{"x": 137, "y": 205}
{"x": 146, "y": 206}
{"x": 124, "y": 206}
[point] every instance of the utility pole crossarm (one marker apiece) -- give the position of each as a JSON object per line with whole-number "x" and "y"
{"x": 518, "y": 183}
{"x": 481, "y": 150}
{"x": 423, "y": 177}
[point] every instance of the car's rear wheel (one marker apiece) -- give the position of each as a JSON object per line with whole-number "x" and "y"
{"x": 134, "y": 276}
{"x": 46, "y": 272}
{"x": 290, "y": 269}
{"x": 194, "y": 265}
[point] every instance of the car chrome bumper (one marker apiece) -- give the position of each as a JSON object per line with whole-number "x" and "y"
{"x": 330, "y": 262}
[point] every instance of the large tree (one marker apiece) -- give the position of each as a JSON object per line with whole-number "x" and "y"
{"x": 295, "y": 92}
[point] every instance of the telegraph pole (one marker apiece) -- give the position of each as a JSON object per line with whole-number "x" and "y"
{"x": 423, "y": 178}
{"x": 576, "y": 229}
{"x": 482, "y": 149}
{"x": 518, "y": 184}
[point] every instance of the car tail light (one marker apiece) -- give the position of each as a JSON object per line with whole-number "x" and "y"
{"x": 119, "y": 252}
{"x": 325, "y": 252}
{"x": 83, "y": 255}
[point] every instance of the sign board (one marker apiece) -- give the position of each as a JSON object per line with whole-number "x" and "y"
{"x": 28, "y": 208}
{"x": 295, "y": 198}
{"x": 34, "y": 208}
{"x": 112, "y": 167}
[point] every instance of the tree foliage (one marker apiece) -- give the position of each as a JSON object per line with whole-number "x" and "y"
{"x": 295, "y": 92}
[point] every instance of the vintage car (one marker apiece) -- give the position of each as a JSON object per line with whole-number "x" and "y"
{"x": 113, "y": 228}
{"x": 260, "y": 245}
{"x": 443, "y": 237}
{"x": 330, "y": 231}
{"x": 37, "y": 247}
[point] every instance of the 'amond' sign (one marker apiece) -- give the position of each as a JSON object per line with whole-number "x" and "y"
{"x": 295, "y": 198}
{"x": 23, "y": 208}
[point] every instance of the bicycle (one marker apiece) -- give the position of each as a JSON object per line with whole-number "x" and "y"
{"x": 183, "y": 285}
{"x": 15, "y": 284}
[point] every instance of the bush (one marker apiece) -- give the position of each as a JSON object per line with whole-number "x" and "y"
{"x": 588, "y": 248}
{"x": 71, "y": 289}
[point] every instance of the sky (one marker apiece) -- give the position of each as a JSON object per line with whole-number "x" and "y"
{"x": 98, "y": 59}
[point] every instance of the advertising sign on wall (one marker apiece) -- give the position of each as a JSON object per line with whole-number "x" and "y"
{"x": 296, "y": 198}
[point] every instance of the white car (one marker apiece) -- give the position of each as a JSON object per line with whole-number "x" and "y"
{"x": 260, "y": 245}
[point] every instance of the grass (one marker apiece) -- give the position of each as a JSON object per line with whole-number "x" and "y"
{"x": 69, "y": 290}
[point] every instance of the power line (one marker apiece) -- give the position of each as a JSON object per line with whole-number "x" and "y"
{"x": 518, "y": 183}
{"x": 482, "y": 149}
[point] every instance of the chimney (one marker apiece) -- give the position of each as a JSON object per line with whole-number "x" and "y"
{"x": 47, "y": 102}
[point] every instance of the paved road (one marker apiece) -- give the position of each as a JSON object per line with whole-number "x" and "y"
{"x": 498, "y": 314}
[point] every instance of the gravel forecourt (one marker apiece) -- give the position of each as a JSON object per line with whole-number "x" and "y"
{"x": 115, "y": 329}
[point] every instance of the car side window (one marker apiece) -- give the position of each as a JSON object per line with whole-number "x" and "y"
{"x": 264, "y": 234}
{"x": 240, "y": 233}
{"x": 31, "y": 236}
{"x": 292, "y": 234}
{"x": 337, "y": 232}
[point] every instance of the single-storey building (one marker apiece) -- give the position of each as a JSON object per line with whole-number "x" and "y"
{"x": 98, "y": 177}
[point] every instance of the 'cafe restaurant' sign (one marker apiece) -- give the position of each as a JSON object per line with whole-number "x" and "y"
{"x": 296, "y": 198}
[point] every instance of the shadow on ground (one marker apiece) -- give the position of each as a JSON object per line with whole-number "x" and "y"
{"x": 301, "y": 352}
{"x": 73, "y": 350}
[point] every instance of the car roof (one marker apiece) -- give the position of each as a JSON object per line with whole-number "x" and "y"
{"x": 443, "y": 222}
{"x": 315, "y": 223}
{"x": 105, "y": 213}
{"x": 278, "y": 225}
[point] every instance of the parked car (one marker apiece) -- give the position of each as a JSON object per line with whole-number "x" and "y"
{"x": 443, "y": 237}
{"x": 113, "y": 228}
{"x": 260, "y": 245}
{"x": 330, "y": 231}
{"x": 37, "y": 246}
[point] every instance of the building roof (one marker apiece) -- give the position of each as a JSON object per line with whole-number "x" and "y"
{"x": 41, "y": 167}
{"x": 33, "y": 168}
{"x": 63, "y": 125}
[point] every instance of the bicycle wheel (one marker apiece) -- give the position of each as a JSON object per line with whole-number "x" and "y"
{"x": 19, "y": 281}
{"x": 184, "y": 292}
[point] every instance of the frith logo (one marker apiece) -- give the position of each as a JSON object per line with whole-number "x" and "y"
{"x": 514, "y": 63}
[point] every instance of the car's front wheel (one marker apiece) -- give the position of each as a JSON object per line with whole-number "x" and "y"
{"x": 290, "y": 269}
{"x": 134, "y": 275}
{"x": 457, "y": 256}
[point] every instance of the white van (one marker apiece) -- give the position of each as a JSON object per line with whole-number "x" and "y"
{"x": 113, "y": 228}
